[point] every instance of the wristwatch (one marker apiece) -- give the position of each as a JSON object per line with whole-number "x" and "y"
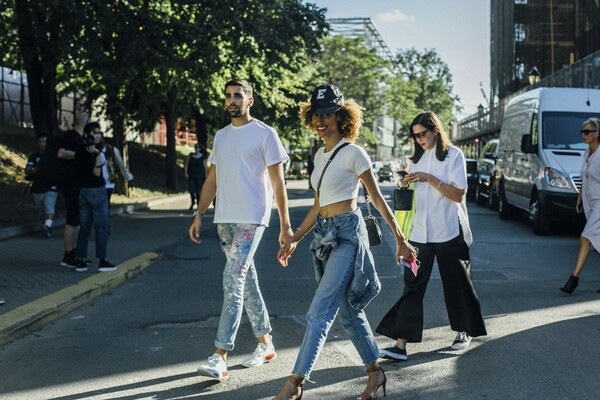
{"x": 197, "y": 213}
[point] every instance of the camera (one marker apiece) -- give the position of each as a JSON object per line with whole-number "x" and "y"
{"x": 89, "y": 140}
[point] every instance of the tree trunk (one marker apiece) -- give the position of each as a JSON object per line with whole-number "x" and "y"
{"x": 171, "y": 156}
{"x": 41, "y": 72}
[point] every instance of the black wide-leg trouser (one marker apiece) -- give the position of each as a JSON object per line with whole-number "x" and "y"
{"x": 405, "y": 319}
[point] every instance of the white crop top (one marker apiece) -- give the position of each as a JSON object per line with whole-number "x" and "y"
{"x": 340, "y": 181}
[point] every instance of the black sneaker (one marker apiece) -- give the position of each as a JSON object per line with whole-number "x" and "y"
{"x": 394, "y": 353}
{"x": 106, "y": 266}
{"x": 81, "y": 265}
{"x": 69, "y": 260}
{"x": 45, "y": 232}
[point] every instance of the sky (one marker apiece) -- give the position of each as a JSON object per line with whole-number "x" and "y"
{"x": 459, "y": 31}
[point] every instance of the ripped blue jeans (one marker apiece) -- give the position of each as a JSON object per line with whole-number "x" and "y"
{"x": 334, "y": 272}
{"x": 240, "y": 283}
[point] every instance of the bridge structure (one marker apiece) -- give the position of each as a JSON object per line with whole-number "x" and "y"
{"x": 472, "y": 132}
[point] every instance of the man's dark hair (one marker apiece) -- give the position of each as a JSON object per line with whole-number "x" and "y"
{"x": 246, "y": 88}
{"x": 43, "y": 135}
{"x": 90, "y": 126}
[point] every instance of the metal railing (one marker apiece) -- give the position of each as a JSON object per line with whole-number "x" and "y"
{"x": 584, "y": 73}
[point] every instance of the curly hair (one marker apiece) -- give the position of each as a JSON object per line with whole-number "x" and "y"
{"x": 349, "y": 117}
{"x": 429, "y": 120}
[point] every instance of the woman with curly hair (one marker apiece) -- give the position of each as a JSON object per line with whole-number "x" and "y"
{"x": 343, "y": 263}
{"x": 440, "y": 231}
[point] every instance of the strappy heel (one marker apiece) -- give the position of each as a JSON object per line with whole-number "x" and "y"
{"x": 297, "y": 382}
{"x": 368, "y": 396}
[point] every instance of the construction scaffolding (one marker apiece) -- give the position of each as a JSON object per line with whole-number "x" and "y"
{"x": 362, "y": 28}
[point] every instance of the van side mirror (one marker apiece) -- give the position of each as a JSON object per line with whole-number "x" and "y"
{"x": 526, "y": 145}
{"x": 489, "y": 155}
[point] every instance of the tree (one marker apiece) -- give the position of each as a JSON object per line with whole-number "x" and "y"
{"x": 423, "y": 82}
{"x": 38, "y": 35}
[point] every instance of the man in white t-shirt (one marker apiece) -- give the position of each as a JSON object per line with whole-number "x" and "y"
{"x": 247, "y": 162}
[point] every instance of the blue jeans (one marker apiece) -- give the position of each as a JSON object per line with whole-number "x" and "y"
{"x": 240, "y": 283}
{"x": 93, "y": 209}
{"x": 331, "y": 297}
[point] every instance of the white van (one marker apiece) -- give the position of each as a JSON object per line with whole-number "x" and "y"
{"x": 541, "y": 153}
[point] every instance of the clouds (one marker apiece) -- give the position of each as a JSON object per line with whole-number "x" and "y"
{"x": 394, "y": 16}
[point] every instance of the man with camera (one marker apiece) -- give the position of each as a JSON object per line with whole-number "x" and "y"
{"x": 93, "y": 202}
{"x": 69, "y": 153}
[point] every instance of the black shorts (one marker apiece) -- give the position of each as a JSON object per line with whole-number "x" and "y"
{"x": 71, "y": 196}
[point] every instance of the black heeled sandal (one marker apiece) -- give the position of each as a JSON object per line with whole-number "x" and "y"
{"x": 368, "y": 396}
{"x": 298, "y": 383}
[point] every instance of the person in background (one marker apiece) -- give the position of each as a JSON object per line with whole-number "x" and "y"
{"x": 113, "y": 167}
{"x": 440, "y": 231}
{"x": 195, "y": 172}
{"x": 246, "y": 171}
{"x": 44, "y": 193}
{"x": 588, "y": 201}
{"x": 71, "y": 145}
{"x": 93, "y": 202}
{"x": 342, "y": 260}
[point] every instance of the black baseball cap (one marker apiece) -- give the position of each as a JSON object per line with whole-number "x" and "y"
{"x": 326, "y": 99}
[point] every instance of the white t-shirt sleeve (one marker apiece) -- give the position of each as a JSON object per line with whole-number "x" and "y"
{"x": 275, "y": 152}
{"x": 361, "y": 162}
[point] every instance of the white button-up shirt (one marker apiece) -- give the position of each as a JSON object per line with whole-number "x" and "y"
{"x": 437, "y": 218}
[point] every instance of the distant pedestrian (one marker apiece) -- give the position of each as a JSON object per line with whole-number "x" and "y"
{"x": 310, "y": 167}
{"x": 588, "y": 201}
{"x": 93, "y": 202}
{"x": 195, "y": 173}
{"x": 70, "y": 152}
{"x": 44, "y": 193}
{"x": 113, "y": 167}
{"x": 440, "y": 231}
{"x": 246, "y": 170}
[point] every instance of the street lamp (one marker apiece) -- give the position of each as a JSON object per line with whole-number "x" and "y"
{"x": 534, "y": 76}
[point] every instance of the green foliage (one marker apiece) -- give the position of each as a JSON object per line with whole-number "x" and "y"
{"x": 423, "y": 82}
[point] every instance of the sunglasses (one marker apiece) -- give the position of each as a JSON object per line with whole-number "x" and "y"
{"x": 418, "y": 135}
{"x": 587, "y": 131}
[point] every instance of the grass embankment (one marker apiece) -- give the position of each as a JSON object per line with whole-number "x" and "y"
{"x": 146, "y": 163}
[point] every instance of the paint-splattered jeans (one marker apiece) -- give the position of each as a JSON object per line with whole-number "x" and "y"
{"x": 240, "y": 283}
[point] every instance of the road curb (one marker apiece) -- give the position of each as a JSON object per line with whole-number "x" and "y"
{"x": 34, "y": 315}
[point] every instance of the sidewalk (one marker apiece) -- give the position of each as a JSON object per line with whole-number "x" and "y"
{"x": 38, "y": 290}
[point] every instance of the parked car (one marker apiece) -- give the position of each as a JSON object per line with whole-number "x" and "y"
{"x": 471, "y": 178}
{"x": 541, "y": 152}
{"x": 386, "y": 173}
{"x": 486, "y": 172}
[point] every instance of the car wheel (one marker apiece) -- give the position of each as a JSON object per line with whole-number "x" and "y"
{"x": 505, "y": 209}
{"x": 493, "y": 200}
{"x": 479, "y": 199}
{"x": 541, "y": 222}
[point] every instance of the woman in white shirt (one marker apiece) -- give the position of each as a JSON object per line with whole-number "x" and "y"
{"x": 440, "y": 230}
{"x": 343, "y": 262}
{"x": 588, "y": 201}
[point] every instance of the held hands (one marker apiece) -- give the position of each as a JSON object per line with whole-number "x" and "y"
{"x": 286, "y": 247}
{"x": 194, "y": 230}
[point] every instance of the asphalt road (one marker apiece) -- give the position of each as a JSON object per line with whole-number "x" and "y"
{"x": 146, "y": 338}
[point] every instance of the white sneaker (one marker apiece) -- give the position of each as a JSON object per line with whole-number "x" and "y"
{"x": 214, "y": 368}
{"x": 461, "y": 342}
{"x": 262, "y": 354}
